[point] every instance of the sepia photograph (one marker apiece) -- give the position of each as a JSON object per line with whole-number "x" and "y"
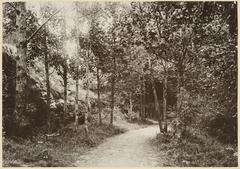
{"x": 119, "y": 83}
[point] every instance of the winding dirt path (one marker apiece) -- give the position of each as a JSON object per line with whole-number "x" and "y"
{"x": 131, "y": 149}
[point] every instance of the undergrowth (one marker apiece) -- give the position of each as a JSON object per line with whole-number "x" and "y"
{"x": 58, "y": 151}
{"x": 198, "y": 150}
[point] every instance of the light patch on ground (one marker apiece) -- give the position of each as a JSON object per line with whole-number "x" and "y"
{"x": 131, "y": 149}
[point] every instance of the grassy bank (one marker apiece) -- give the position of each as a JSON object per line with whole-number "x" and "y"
{"x": 197, "y": 150}
{"x": 57, "y": 151}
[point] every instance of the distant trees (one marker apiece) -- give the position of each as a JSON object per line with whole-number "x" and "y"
{"x": 177, "y": 33}
{"x": 77, "y": 71}
{"x": 99, "y": 50}
{"x": 50, "y": 53}
{"x": 64, "y": 65}
{"x": 97, "y": 39}
{"x": 113, "y": 52}
{"x": 150, "y": 26}
{"x": 86, "y": 46}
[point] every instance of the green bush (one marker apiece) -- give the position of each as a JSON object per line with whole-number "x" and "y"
{"x": 197, "y": 150}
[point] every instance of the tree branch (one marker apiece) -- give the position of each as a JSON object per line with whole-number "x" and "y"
{"x": 42, "y": 26}
{"x": 18, "y": 12}
{"x": 164, "y": 68}
{"x": 188, "y": 69}
{"x": 61, "y": 82}
{"x": 59, "y": 71}
{"x": 52, "y": 72}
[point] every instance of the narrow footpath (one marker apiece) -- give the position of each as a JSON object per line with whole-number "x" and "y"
{"x": 131, "y": 149}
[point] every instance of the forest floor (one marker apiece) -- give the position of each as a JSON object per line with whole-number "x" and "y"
{"x": 125, "y": 144}
{"x": 196, "y": 150}
{"x": 63, "y": 150}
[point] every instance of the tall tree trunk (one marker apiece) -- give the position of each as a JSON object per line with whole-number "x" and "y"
{"x": 46, "y": 61}
{"x": 76, "y": 99}
{"x": 77, "y": 80}
{"x": 65, "y": 68}
{"x": 88, "y": 109}
{"x": 144, "y": 102}
{"x": 180, "y": 71}
{"x": 99, "y": 99}
{"x": 179, "y": 97}
{"x": 157, "y": 107}
{"x": 141, "y": 105}
{"x": 164, "y": 103}
{"x": 113, "y": 90}
{"x": 178, "y": 94}
{"x": 156, "y": 103}
{"x": 21, "y": 63}
{"x": 112, "y": 99}
{"x": 65, "y": 86}
{"x": 141, "y": 100}
{"x": 130, "y": 105}
{"x": 179, "y": 90}
{"x": 87, "y": 97}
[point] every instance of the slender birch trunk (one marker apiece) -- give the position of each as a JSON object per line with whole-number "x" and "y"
{"x": 156, "y": 103}
{"x": 46, "y": 61}
{"x": 99, "y": 98}
{"x": 87, "y": 96}
{"x": 65, "y": 86}
{"x": 164, "y": 103}
{"x": 157, "y": 107}
{"x": 113, "y": 90}
{"x": 130, "y": 105}
{"x": 144, "y": 101}
{"x": 76, "y": 98}
{"x": 141, "y": 105}
{"x": 179, "y": 92}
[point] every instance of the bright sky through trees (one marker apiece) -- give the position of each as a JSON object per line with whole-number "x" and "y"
{"x": 69, "y": 13}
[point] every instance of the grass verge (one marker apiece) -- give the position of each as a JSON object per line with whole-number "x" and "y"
{"x": 196, "y": 150}
{"x": 60, "y": 151}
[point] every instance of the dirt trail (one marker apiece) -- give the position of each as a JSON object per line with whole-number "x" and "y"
{"x": 131, "y": 149}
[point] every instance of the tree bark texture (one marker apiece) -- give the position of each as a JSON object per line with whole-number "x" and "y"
{"x": 157, "y": 107}
{"x": 46, "y": 61}
{"x": 141, "y": 105}
{"x": 21, "y": 63}
{"x": 113, "y": 90}
{"x": 76, "y": 98}
{"x": 99, "y": 98}
{"x": 65, "y": 86}
{"x": 179, "y": 91}
{"x": 130, "y": 105}
{"x": 156, "y": 103}
{"x": 179, "y": 96}
{"x": 144, "y": 102}
{"x": 87, "y": 97}
{"x": 164, "y": 104}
